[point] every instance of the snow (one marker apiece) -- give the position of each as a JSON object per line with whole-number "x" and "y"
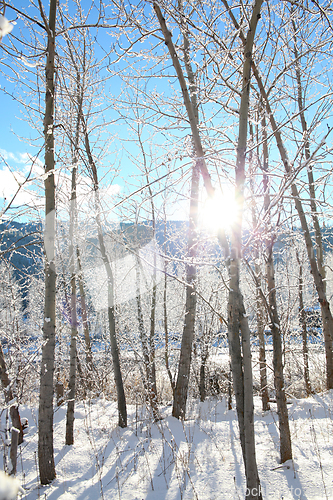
{"x": 5, "y": 26}
{"x": 172, "y": 460}
{"x": 9, "y": 487}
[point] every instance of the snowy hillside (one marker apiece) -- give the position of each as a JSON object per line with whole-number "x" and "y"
{"x": 198, "y": 459}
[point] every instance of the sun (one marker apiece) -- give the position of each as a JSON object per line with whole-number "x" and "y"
{"x": 218, "y": 212}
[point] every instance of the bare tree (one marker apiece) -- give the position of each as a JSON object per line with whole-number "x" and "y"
{"x": 45, "y": 420}
{"x": 237, "y": 320}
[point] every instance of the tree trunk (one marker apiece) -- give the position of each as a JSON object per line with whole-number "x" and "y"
{"x": 181, "y": 388}
{"x": 85, "y": 324}
{"x": 72, "y": 260}
{"x": 17, "y": 432}
{"x": 302, "y": 320}
{"x": 165, "y": 323}
{"x": 262, "y": 346}
{"x": 285, "y": 439}
{"x": 150, "y": 380}
{"x": 72, "y": 366}
{"x": 260, "y": 306}
{"x": 45, "y": 416}
{"x": 151, "y": 373}
{"x": 202, "y": 380}
{"x": 153, "y": 386}
{"x": 121, "y": 400}
{"x": 237, "y": 320}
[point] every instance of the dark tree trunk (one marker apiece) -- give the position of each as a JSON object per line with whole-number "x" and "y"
{"x": 302, "y": 320}
{"x": 202, "y": 380}
{"x": 45, "y": 416}
{"x": 237, "y": 321}
{"x": 285, "y": 439}
{"x": 72, "y": 366}
{"x": 181, "y": 389}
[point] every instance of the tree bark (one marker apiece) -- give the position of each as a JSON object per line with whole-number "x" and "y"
{"x": 165, "y": 321}
{"x": 237, "y": 320}
{"x": 45, "y": 417}
{"x": 181, "y": 388}
{"x": 202, "y": 379}
{"x": 72, "y": 260}
{"x": 17, "y": 432}
{"x": 260, "y": 305}
{"x": 72, "y": 366}
{"x": 285, "y": 439}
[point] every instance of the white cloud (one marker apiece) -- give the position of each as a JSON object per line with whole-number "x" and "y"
{"x": 17, "y": 167}
{"x": 13, "y": 176}
{"x": 10, "y": 182}
{"x": 14, "y": 157}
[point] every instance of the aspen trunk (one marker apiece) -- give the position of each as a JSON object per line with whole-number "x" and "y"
{"x": 17, "y": 432}
{"x": 202, "y": 379}
{"x": 121, "y": 400}
{"x": 166, "y": 330}
{"x": 152, "y": 386}
{"x": 285, "y": 439}
{"x": 184, "y": 368}
{"x": 262, "y": 353}
{"x": 122, "y": 410}
{"x": 72, "y": 365}
{"x": 150, "y": 380}
{"x": 72, "y": 260}
{"x": 237, "y": 320}
{"x": 181, "y": 387}
{"x": 45, "y": 416}
{"x": 302, "y": 320}
{"x": 260, "y": 306}
{"x": 88, "y": 351}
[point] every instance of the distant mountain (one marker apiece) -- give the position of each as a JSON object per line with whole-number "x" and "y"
{"x": 21, "y": 245}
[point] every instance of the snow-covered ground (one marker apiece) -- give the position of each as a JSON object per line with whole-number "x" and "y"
{"x": 198, "y": 459}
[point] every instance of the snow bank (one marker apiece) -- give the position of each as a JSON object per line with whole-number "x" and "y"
{"x": 9, "y": 487}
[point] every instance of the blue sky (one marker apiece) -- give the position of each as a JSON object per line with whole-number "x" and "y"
{"x": 165, "y": 148}
{"x": 21, "y": 141}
